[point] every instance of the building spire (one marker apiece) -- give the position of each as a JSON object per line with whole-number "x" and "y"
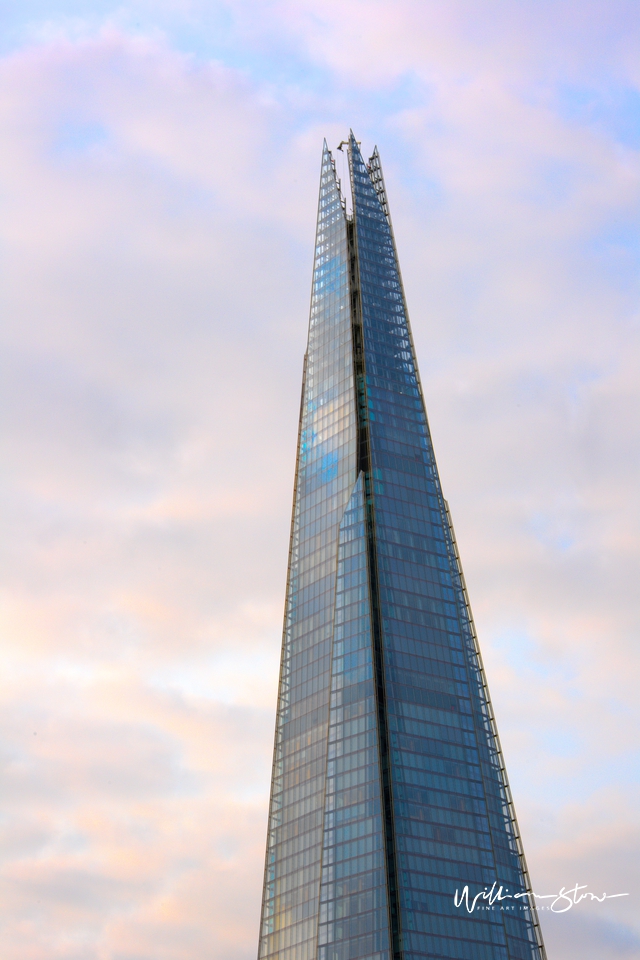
{"x": 389, "y": 788}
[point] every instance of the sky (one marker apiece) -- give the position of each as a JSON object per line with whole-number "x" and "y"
{"x": 159, "y": 167}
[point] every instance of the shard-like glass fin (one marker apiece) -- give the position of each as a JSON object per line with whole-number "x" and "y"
{"x": 326, "y": 470}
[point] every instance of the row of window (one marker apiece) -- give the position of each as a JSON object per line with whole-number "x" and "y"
{"x": 423, "y": 665}
{"x": 464, "y": 771}
{"x": 413, "y": 776}
{"x": 434, "y": 746}
{"x": 431, "y": 645}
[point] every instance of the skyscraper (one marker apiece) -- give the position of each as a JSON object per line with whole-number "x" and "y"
{"x": 389, "y": 791}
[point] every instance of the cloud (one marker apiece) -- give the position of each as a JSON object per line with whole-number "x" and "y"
{"x": 135, "y": 608}
{"x": 158, "y": 239}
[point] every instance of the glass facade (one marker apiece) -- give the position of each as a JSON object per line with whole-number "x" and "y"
{"x": 389, "y": 791}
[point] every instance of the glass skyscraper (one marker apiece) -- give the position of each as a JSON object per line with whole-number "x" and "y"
{"x": 389, "y": 791}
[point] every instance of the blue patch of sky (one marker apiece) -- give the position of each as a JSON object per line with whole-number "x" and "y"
{"x": 31, "y": 20}
{"x": 519, "y": 649}
{"x": 78, "y": 136}
{"x": 551, "y": 183}
{"x": 557, "y": 735}
{"x": 614, "y": 251}
{"x": 551, "y": 532}
{"x": 619, "y": 767}
{"x": 555, "y": 181}
{"x": 618, "y": 246}
{"x": 613, "y": 109}
{"x": 559, "y": 742}
{"x": 214, "y": 36}
{"x": 533, "y": 387}
{"x": 578, "y": 388}
{"x": 407, "y": 91}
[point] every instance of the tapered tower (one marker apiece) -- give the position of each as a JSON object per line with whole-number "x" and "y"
{"x": 389, "y": 790}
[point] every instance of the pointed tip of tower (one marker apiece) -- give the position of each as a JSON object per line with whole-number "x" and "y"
{"x": 354, "y": 144}
{"x": 327, "y": 156}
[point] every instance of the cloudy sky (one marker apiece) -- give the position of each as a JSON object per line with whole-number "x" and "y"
{"x": 159, "y": 167}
